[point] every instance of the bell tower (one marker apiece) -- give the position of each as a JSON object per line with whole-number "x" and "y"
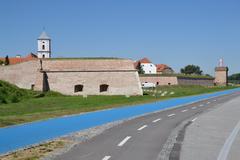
{"x": 221, "y": 74}
{"x": 44, "y": 46}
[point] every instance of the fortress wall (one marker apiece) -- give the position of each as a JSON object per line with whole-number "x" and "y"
{"x": 160, "y": 80}
{"x": 23, "y": 75}
{"x": 196, "y": 81}
{"x": 168, "y": 80}
{"x": 87, "y": 64}
{"x": 62, "y": 75}
{"x": 120, "y": 83}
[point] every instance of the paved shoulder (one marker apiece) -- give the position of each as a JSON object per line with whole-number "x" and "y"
{"x": 214, "y": 135}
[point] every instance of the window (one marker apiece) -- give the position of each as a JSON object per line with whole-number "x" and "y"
{"x": 78, "y": 88}
{"x": 157, "y": 83}
{"x": 43, "y": 56}
{"x": 104, "y": 87}
{"x": 43, "y": 47}
{"x": 169, "y": 84}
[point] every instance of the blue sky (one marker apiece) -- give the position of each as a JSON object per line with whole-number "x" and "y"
{"x": 174, "y": 32}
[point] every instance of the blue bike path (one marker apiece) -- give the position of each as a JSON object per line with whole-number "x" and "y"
{"x": 20, "y": 136}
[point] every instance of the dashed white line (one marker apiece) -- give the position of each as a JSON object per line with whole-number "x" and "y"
{"x": 124, "y": 141}
{"x": 208, "y": 102}
{"x": 170, "y": 115}
{"x": 141, "y": 128}
{"x": 214, "y": 100}
{"x": 185, "y": 110}
{"x": 194, "y": 107}
{"x": 106, "y": 158}
{"x": 201, "y": 105}
{"x": 156, "y": 120}
{"x": 194, "y": 119}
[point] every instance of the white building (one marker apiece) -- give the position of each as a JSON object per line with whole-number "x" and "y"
{"x": 147, "y": 66}
{"x": 44, "y": 46}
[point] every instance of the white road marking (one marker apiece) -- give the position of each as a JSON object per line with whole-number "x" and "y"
{"x": 194, "y": 119}
{"x": 228, "y": 143}
{"x": 141, "y": 128}
{"x": 170, "y": 115}
{"x": 208, "y": 102}
{"x": 185, "y": 110}
{"x": 194, "y": 107}
{"x": 124, "y": 141}
{"x": 106, "y": 158}
{"x": 156, "y": 120}
{"x": 214, "y": 100}
{"x": 201, "y": 105}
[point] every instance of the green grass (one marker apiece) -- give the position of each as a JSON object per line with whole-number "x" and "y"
{"x": 35, "y": 106}
{"x": 12, "y": 94}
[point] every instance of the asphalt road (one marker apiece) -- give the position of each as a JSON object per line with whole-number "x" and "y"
{"x": 141, "y": 138}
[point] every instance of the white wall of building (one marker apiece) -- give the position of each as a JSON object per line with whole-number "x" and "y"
{"x": 44, "y": 48}
{"x": 149, "y": 68}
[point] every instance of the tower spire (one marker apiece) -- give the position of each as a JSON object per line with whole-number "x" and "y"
{"x": 221, "y": 63}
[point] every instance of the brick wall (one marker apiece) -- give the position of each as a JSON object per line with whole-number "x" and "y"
{"x": 120, "y": 83}
{"x": 23, "y": 74}
{"x": 168, "y": 80}
{"x": 196, "y": 81}
{"x": 160, "y": 80}
{"x": 63, "y": 75}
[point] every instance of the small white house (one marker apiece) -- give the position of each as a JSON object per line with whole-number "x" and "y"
{"x": 149, "y": 68}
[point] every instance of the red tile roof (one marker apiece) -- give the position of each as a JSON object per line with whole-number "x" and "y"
{"x": 144, "y": 60}
{"x": 162, "y": 67}
{"x": 15, "y": 60}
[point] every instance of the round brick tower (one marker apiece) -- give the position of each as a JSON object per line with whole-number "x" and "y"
{"x": 221, "y": 74}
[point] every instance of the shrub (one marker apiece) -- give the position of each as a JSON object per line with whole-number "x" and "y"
{"x": 2, "y": 100}
{"x": 14, "y": 99}
{"x": 39, "y": 95}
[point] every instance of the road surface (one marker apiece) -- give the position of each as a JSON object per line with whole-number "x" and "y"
{"x": 141, "y": 138}
{"x": 216, "y": 134}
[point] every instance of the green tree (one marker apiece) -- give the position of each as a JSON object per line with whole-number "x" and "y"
{"x": 140, "y": 70}
{"x": 1, "y": 62}
{"x": 191, "y": 69}
{"x": 6, "y": 60}
{"x": 234, "y": 77}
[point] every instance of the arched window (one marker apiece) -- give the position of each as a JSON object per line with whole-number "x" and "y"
{"x": 43, "y": 47}
{"x": 78, "y": 88}
{"x": 104, "y": 87}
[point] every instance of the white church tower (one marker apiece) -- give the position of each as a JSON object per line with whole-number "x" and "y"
{"x": 44, "y": 46}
